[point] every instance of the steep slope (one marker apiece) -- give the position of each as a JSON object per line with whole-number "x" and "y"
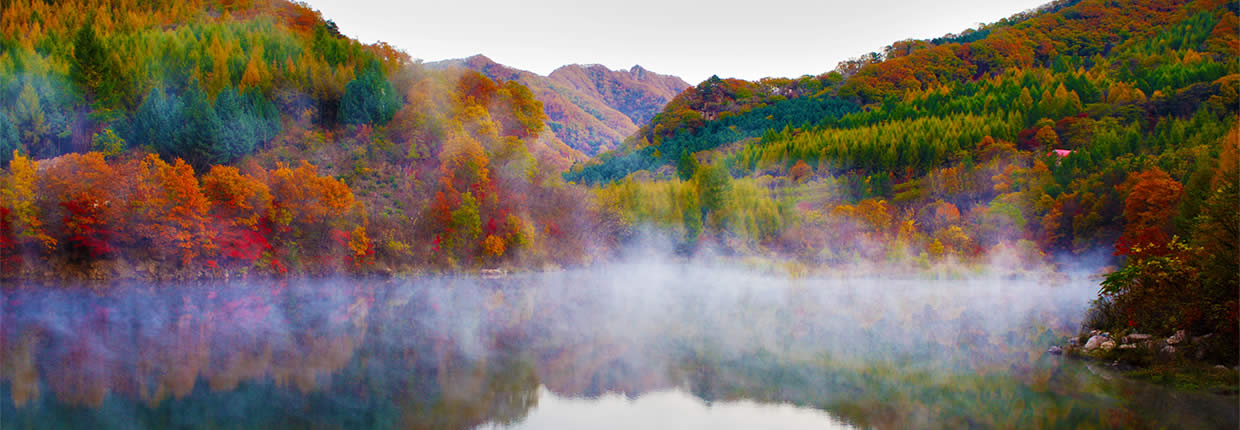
{"x": 1086, "y": 133}
{"x": 637, "y": 93}
{"x": 590, "y": 108}
{"x": 203, "y": 138}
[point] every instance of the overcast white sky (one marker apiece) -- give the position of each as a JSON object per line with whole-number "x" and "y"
{"x": 692, "y": 39}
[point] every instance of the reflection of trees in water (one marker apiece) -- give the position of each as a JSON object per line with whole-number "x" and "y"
{"x": 456, "y": 354}
{"x": 171, "y": 350}
{"x": 452, "y": 355}
{"x": 17, "y": 365}
{"x": 152, "y": 347}
{"x": 462, "y": 393}
{"x": 268, "y": 356}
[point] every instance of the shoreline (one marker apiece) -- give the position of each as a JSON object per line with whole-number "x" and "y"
{"x": 1177, "y": 361}
{"x": 792, "y": 268}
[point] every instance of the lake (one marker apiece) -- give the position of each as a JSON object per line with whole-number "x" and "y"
{"x": 639, "y": 345}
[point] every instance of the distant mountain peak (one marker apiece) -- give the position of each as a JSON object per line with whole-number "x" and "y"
{"x": 479, "y": 59}
{"x": 590, "y": 106}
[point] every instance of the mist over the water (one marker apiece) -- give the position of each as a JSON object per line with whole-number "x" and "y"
{"x": 462, "y": 351}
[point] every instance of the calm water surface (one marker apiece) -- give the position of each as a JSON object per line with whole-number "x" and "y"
{"x": 625, "y": 346}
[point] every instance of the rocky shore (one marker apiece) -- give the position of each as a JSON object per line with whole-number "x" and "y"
{"x": 1181, "y": 359}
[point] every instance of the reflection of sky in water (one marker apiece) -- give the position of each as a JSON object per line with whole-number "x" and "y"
{"x": 531, "y": 350}
{"x": 671, "y": 409}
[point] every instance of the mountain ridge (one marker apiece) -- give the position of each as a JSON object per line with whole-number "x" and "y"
{"x": 590, "y": 107}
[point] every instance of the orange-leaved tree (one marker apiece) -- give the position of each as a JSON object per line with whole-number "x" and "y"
{"x": 22, "y": 228}
{"x": 79, "y": 198}
{"x": 239, "y": 208}
{"x": 800, "y": 171}
{"x": 168, "y": 211}
{"x": 1151, "y": 204}
{"x": 305, "y": 207}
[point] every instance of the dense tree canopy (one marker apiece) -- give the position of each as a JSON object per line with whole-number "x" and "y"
{"x": 369, "y": 98}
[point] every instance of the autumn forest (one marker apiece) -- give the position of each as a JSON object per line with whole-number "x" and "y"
{"x": 225, "y": 139}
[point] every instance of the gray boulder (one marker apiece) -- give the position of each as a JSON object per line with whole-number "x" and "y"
{"x": 1095, "y": 342}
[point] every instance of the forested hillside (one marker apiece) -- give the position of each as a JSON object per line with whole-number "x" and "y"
{"x": 590, "y": 108}
{"x": 1085, "y": 132}
{"x": 714, "y": 114}
{"x": 222, "y": 138}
